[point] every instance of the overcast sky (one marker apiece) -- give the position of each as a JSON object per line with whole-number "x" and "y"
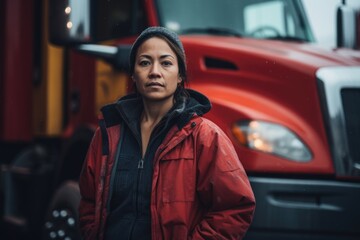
{"x": 322, "y": 17}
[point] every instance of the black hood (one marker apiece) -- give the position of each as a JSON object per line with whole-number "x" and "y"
{"x": 129, "y": 108}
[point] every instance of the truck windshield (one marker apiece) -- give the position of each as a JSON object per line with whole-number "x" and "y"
{"x": 267, "y": 19}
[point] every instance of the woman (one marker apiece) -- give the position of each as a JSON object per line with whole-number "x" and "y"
{"x": 155, "y": 168}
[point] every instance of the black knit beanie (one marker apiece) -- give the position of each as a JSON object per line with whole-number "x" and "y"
{"x": 151, "y": 32}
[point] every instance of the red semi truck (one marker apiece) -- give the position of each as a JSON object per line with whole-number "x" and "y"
{"x": 290, "y": 107}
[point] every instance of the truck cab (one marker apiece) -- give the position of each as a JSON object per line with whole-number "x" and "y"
{"x": 289, "y": 106}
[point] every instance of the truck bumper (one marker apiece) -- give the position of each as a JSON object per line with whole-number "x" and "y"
{"x": 294, "y": 209}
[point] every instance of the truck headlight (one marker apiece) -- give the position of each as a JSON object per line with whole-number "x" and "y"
{"x": 271, "y": 138}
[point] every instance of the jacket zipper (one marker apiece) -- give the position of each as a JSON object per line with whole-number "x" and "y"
{"x": 140, "y": 169}
{"x": 141, "y": 164}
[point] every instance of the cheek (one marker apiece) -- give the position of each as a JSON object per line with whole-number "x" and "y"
{"x": 174, "y": 82}
{"x": 138, "y": 85}
{"x": 138, "y": 77}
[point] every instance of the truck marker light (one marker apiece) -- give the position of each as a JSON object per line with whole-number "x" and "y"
{"x": 271, "y": 138}
{"x": 68, "y": 10}
{"x": 239, "y": 135}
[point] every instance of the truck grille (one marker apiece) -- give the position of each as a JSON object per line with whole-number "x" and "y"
{"x": 340, "y": 98}
{"x": 351, "y": 104}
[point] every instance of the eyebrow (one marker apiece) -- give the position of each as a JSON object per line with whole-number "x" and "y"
{"x": 161, "y": 57}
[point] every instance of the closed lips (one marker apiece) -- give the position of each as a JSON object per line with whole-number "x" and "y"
{"x": 154, "y": 84}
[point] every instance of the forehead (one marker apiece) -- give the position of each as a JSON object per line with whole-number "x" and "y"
{"x": 155, "y": 45}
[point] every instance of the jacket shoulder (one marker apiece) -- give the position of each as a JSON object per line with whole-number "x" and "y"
{"x": 110, "y": 115}
{"x": 210, "y": 134}
{"x": 209, "y": 127}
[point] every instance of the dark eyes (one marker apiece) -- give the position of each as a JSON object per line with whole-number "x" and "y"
{"x": 166, "y": 63}
{"x": 145, "y": 63}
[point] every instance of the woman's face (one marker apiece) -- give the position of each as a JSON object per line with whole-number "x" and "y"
{"x": 156, "y": 70}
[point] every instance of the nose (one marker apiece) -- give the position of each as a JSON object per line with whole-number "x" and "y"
{"x": 154, "y": 71}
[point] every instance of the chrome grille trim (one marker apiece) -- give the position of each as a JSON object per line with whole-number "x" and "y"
{"x": 330, "y": 81}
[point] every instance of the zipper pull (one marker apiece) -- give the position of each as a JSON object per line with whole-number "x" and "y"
{"x": 141, "y": 164}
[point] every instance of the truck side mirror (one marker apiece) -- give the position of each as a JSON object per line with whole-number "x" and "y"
{"x": 73, "y": 23}
{"x": 346, "y": 27}
{"x": 117, "y": 56}
{"x": 70, "y": 22}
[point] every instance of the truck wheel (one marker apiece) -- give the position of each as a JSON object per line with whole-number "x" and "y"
{"x": 61, "y": 220}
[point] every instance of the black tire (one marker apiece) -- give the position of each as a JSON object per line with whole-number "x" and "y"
{"x": 61, "y": 221}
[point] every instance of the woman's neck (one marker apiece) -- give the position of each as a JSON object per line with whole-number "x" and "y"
{"x": 154, "y": 111}
{"x": 152, "y": 114}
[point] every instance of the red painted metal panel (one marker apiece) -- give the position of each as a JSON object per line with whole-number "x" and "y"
{"x": 2, "y": 34}
{"x": 81, "y": 90}
{"x": 151, "y": 11}
{"x": 17, "y": 64}
{"x": 274, "y": 83}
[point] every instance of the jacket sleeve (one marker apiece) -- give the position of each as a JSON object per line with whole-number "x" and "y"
{"x": 87, "y": 184}
{"x": 223, "y": 187}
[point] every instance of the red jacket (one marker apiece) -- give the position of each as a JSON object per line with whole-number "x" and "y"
{"x": 199, "y": 188}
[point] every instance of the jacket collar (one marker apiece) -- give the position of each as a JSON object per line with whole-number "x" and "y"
{"x": 129, "y": 108}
